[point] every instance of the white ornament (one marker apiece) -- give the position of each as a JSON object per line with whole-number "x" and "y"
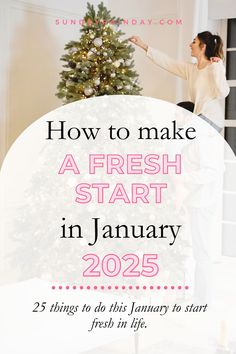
{"x": 116, "y": 63}
{"x": 97, "y": 81}
{"x": 98, "y": 42}
{"x": 88, "y": 91}
{"x": 109, "y": 60}
{"x": 105, "y": 54}
{"x": 92, "y": 36}
{"x": 90, "y": 53}
{"x": 105, "y": 33}
{"x": 119, "y": 87}
{"x": 113, "y": 74}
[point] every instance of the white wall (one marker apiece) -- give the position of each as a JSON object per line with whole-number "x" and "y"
{"x": 222, "y": 9}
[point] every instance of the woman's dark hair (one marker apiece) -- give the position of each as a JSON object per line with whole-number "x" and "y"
{"x": 214, "y": 44}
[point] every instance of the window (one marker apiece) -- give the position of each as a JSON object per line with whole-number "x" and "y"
{"x": 228, "y": 242}
{"x": 230, "y": 108}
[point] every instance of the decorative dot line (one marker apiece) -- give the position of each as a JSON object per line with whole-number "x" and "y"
{"x": 122, "y": 287}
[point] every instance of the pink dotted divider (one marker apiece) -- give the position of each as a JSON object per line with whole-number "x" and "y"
{"x": 122, "y": 287}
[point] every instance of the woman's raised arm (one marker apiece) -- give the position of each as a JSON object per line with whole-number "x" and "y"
{"x": 164, "y": 61}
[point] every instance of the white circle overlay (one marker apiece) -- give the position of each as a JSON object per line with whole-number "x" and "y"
{"x": 185, "y": 224}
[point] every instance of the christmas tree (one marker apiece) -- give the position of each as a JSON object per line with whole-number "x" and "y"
{"x": 100, "y": 63}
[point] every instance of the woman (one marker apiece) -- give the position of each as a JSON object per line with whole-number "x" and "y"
{"x": 207, "y": 84}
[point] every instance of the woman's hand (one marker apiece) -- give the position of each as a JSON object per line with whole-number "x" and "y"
{"x": 137, "y": 40}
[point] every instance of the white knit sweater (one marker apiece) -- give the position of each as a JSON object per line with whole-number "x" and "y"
{"x": 207, "y": 87}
